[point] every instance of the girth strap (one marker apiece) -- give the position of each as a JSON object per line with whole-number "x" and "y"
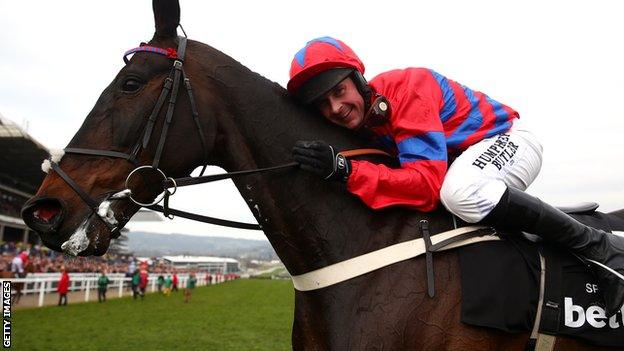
{"x": 424, "y": 230}
{"x": 356, "y": 266}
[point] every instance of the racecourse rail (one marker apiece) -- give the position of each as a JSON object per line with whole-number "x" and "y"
{"x": 44, "y": 283}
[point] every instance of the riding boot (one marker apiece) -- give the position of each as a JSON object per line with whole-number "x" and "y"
{"x": 519, "y": 211}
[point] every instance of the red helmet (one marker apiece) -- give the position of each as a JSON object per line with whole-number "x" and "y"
{"x": 320, "y": 55}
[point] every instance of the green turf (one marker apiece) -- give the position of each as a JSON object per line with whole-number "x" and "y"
{"x": 239, "y": 315}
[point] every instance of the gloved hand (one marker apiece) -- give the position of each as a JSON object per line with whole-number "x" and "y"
{"x": 320, "y": 158}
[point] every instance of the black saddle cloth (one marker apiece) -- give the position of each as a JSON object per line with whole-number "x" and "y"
{"x": 501, "y": 280}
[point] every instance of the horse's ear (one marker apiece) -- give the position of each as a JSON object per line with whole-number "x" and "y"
{"x": 166, "y": 18}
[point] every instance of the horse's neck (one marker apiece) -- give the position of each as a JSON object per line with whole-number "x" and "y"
{"x": 310, "y": 222}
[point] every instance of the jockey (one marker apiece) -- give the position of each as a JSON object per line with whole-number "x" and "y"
{"x": 426, "y": 119}
{"x": 17, "y": 264}
{"x": 24, "y": 256}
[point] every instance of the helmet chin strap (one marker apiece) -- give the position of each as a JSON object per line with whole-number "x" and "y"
{"x": 377, "y": 112}
{"x": 362, "y": 86}
{"x": 376, "y": 107}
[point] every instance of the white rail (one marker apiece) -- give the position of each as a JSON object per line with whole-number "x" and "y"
{"x": 46, "y": 283}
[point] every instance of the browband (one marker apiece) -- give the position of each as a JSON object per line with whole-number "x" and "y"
{"x": 169, "y": 52}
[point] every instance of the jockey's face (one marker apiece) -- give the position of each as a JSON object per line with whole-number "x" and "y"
{"x": 343, "y": 105}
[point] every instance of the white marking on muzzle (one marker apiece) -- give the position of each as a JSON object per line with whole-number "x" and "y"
{"x": 78, "y": 241}
{"x": 55, "y": 156}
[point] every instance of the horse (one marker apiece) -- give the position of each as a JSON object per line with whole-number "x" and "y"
{"x": 248, "y": 122}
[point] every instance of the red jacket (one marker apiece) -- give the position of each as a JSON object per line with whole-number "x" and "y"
{"x": 430, "y": 118}
{"x": 63, "y": 285}
{"x": 143, "y": 278}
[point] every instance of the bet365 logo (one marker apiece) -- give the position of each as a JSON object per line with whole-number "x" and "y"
{"x": 577, "y": 316}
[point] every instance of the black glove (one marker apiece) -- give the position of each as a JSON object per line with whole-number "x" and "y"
{"x": 320, "y": 158}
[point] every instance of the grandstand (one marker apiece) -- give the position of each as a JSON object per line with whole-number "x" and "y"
{"x": 204, "y": 263}
{"x": 20, "y": 176}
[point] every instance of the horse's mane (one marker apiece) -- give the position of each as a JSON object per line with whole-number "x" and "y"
{"x": 334, "y": 224}
{"x": 267, "y": 103}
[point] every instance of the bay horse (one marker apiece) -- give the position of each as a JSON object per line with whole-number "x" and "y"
{"x": 250, "y": 122}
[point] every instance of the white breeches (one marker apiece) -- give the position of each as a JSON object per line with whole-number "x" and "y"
{"x": 477, "y": 179}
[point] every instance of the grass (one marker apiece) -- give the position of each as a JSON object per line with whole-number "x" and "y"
{"x": 277, "y": 272}
{"x": 239, "y": 315}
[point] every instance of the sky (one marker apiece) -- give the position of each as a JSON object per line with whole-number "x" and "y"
{"x": 559, "y": 63}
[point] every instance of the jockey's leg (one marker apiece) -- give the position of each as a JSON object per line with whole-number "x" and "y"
{"x": 484, "y": 187}
{"x": 478, "y": 178}
{"x": 518, "y": 210}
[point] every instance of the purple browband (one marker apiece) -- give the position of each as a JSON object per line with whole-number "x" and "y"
{"x": 169, "y": 52}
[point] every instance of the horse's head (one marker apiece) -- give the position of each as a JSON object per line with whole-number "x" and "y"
{"x": 81, "y": 203}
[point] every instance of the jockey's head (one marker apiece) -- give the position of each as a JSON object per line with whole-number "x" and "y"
{"x": 328, "y": 74}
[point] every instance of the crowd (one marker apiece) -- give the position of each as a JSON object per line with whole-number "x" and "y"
{"x": 44, "y": 260}
{"x": 11, "y": 205}
{"x": 28, "y": 258}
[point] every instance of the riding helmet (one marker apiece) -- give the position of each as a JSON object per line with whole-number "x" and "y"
{"x": 320, "y": 65}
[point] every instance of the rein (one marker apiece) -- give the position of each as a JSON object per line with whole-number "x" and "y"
{"x": 186, "y": 181}
{"x": 170, "y": 90}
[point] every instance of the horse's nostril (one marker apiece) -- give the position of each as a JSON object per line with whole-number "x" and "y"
{"x": 45, "y": 212}
{"x": 42, "y": 214}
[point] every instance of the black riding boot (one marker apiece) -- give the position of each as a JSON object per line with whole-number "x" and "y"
{"x": 518, "y": 210}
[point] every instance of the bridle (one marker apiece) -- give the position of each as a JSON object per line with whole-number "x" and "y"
{"x": 170, "y": 89}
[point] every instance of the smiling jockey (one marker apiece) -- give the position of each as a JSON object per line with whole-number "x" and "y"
{"x": 424, "y": 119}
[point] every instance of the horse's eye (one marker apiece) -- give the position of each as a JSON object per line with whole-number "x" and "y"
{"x": 131, "y": 85}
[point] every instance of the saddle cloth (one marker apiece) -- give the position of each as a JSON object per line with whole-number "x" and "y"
{"x": 501, "y": 285}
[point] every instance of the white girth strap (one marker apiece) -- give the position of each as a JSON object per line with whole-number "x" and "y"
{"x": 356, "y": 266}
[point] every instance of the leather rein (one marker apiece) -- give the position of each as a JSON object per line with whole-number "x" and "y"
{"x": 170, "y": 89}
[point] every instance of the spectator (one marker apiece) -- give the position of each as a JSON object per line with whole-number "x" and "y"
{"x": 143, "y": 279}
{"x": 102, "y": 286}
{"x": 160, "y": 281}
{"x": 132, "y": 267}
{"x": 168, "y": 283}
{"x": 17, "y": 265}
{"x": 131, "y": 270}
{"x": 175, "y": 282}
{"x": 63, "y": 287}
{"x": 190, "y": 285}
{"x": 136, "y": 279}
